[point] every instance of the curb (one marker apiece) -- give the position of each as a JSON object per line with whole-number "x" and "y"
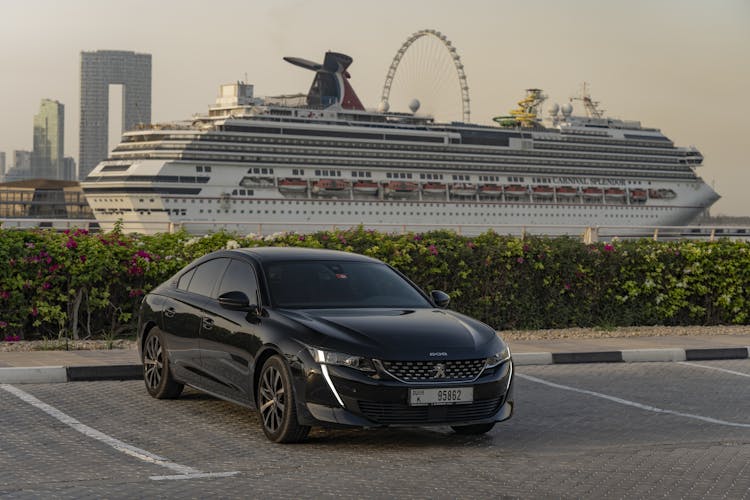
{"x": 59, "y": 374}
{"x": 630, "y": 356}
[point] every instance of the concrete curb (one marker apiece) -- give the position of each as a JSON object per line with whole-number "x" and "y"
{"x": 630, "y": 356}
{"x": 57, "y": 374}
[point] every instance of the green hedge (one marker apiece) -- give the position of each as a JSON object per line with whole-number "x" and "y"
{"x": 76, "y": 284}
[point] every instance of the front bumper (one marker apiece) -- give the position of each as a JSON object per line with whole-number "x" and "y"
{"x": 382, "y": 401}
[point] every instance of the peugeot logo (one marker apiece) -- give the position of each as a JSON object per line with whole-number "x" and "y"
{"x": 438, "y": 370}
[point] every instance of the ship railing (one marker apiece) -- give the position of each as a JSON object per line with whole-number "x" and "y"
{"x": 588, "y": 234}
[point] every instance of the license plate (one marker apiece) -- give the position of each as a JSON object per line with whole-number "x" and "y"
{"x": 441, "y": 396}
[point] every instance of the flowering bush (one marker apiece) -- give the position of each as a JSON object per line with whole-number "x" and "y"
{"x": 79, "y": 284}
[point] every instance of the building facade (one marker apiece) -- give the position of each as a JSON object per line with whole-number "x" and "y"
{"x": 49, "y": 139}
{"x": 43, "y": 198}
{"x": 2, "y": 165}
{"x": 98, "y": 70}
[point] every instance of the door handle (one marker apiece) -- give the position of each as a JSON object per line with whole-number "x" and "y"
{"x": 208, "y": 323}
{"x": 169, "y": 312}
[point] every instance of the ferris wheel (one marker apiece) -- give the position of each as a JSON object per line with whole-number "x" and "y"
{"x": 426, "y": 70}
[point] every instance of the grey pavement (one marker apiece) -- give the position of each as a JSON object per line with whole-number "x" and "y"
{"x": 630, "y": 430}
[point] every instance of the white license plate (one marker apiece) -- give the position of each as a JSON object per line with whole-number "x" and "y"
{"x": 441, "y": 396}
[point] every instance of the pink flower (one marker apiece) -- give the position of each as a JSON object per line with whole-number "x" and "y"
{"x": 4, "y": 295}
{"x": 46, "y": 285}
{"x": 471, "y": 244}
{"x": 34, "y": 312}
{"x": 143, "y": 254}
{"x": 417, "y": 237}
{"x": 567, "y": 286}
{"x": 525, "y": 248}
{"x": 29, "y": 245}
{"x": 301, "y": 237}
{"x": 135, "y": 293}
{"x": 71, "y": 243}
{"x": 520, "y": 260}
{"x": 433, "y": 249}
{"x": 3, "y": 324}
{"x": 609, "y": 248}
{"x": 83, "y": 258}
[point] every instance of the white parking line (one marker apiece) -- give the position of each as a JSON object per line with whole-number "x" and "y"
{"x": 184, "y": 471}
{"x": 633, "y": 403}
{"x": 697, "y": 365}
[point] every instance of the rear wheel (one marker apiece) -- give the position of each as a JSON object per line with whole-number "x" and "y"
{"x": 156, "y": 373}
{"x": 276, "y": 404}
{"x": 473, "y": 429}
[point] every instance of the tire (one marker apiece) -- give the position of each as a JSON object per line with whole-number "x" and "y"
{"x": 473, "y": 429}
{"x": 276, "y": 403}
{"x": 156, "y": 373}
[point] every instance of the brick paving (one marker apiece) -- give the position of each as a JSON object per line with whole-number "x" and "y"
{"x": 559, "y": 444}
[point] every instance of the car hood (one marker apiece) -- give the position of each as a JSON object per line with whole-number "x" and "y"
{"x": 398, "y": 334}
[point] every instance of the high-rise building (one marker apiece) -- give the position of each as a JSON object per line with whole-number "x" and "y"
{"x": 22, "y": 159}
{"x": 69, "y": 169}
{"x": 98, "y": 70}
{"x": 49, "y": 139}
{"x": 2, "y": 165}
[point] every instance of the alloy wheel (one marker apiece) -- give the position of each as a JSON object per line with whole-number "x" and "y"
{"x": 153, "y": 362}
{"x": 272, "y": 399}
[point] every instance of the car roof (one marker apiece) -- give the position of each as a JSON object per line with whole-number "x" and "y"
{"x": 280, "y": 254}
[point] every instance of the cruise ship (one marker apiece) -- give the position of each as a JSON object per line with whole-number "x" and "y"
{"x": 312, "y": 161}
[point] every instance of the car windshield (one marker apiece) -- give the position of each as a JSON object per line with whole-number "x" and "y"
{"x": 339, "y": 284}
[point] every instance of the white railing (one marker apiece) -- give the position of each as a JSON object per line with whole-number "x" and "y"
{"x": 588, "y": 234}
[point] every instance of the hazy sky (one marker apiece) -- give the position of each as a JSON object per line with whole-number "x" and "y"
{"x": 679, "y": 65}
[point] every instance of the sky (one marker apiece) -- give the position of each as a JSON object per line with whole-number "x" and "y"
{"x": 679, "y": 65}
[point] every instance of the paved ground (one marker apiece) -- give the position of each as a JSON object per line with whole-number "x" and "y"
{"x": 593, "y": 430}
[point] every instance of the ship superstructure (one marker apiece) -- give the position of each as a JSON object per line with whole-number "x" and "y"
{"x": 321, "y": 158}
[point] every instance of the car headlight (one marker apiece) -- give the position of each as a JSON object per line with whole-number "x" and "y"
{"x": 499, "y": 357}
{"x": 341, "y": 359}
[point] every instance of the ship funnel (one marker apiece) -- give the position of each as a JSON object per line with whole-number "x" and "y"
{"x": 331, "y": 85}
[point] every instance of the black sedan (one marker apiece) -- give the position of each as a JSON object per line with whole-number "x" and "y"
{"x": 322, "y": 338}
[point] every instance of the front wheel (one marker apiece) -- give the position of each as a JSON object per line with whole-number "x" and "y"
{"x": 276, "y": 404}
{"x": 156, "y": 373}
{"x": 473, "y": 429}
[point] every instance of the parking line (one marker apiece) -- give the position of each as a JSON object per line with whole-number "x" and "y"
{"x": 184, "y": 471}
{"x": 697, "y": 365}
{"x": 633, "y": 403}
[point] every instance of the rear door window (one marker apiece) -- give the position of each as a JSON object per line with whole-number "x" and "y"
{"x": 206, "y": 275}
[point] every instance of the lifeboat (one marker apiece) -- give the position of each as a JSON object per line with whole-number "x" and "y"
{"x": 256, "y": 181}
{"x": 330, "y": 187}
{"x": 516, "y": 189}
{"x": 365, "y": 187}
{"x": 463, "y": 189}
{"x": 292, "y": 185}
{"x": 566, "y": 192}
{"x": 543, "y": 191}
{"x": 401, "y": 188}
{"x": 638, "y": 195}
{"x": 592, "y": 192}
{"x": 614, "y": 193}
{"x": 490, "y": 190}
{"x": 664, "y": 194}
{"x": 433, "y": 188}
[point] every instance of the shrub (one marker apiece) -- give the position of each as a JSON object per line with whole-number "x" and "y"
{"x": 79, "y": 284}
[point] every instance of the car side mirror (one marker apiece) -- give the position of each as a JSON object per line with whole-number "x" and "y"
{"x": 236, "y": 301}
{"x": 441, "y": 299}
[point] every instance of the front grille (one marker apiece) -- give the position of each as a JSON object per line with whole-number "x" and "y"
{"x": 435, "y": 371}
{"x": 401, "y": 414}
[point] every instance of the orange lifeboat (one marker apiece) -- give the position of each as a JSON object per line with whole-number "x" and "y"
{"x": 543, "y": 191}
{"x": 293, "y": 185}
{"x": 566, "y": 192}
{"x": 401, "y": 188}
{"x": 490, "y": 190}
{"x": 433, "y": 188}
{"x": 463, "y": 189}
{"x": 330, "y": 186}
{"x": 592, "y": 192}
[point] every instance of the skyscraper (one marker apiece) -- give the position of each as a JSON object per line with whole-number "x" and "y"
{"x": 2, "y": 165}
{"x": 98, "y": 70}
{"x": 49, "y": 135}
